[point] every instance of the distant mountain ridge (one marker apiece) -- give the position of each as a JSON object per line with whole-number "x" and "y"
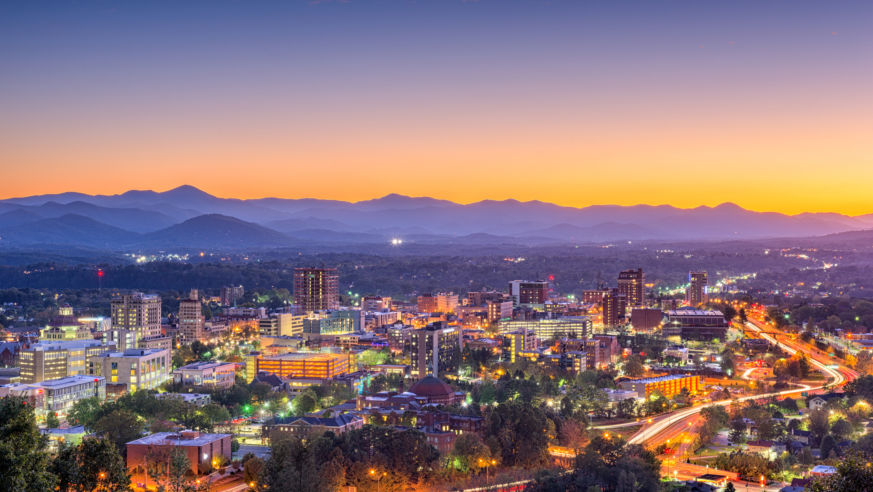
{"x": 187, "y": 217}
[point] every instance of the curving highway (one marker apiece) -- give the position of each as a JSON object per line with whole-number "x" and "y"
{"x": 837, "y": 377}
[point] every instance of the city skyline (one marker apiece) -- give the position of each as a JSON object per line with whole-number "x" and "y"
{"x": 763, "y": 105}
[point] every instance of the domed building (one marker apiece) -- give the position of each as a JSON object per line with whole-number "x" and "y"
{"x": 436, "y": 391}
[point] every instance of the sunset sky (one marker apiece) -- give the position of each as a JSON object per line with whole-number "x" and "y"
{"x": 768, "y": 104}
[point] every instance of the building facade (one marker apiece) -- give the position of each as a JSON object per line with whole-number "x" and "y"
{"x": 137, "y": 312}
{"x": 135, "y": 369}
{"x": 631, "y": 283}
{"x": 316, "y": 289}
{"x": 695, "y": 294}
{"x": 208, "y": 374}
{"x": 435, "y": 350}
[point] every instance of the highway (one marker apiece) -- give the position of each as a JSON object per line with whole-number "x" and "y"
{"x": 679, "y": 418}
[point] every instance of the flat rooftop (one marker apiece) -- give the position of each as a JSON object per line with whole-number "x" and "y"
{"x": 660, "y": 378}
{"x": 176, "y": 439}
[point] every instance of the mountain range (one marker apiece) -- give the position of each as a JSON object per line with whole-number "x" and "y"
{"x": 186, "y": 217}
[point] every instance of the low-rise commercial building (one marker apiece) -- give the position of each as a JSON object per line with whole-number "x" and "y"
{"x": 205, "y": 452}
{"x": 57, "y": 395}
{"x": 207, "y": 374}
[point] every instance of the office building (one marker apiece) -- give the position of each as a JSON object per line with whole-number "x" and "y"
{"x": 435, "y": 350}
{"x": 134, "y": 369}
{"x": 214, "y": 375}
{"x": 520, "y": 341}
{"x": 230, "y": 294}
{"x": 282, "y": 324}
{"x": 669, "y": 386}
{"x": 614, "y": 307}
{"x": 205, "y": 452}
{"x": 695, "y": 294}
{"x": 337, "y": 322}
{"x": 137, "y": 312}
{"x": 376, "y": 303}
{"x": 480, "y": 298}
{"x": 529, "y": 293}
{"x": 65, "y": 326}
{"x": 57, "y": 395}
{"x": 191, "y": 318}
{"x": 550, "y": 329}
{"x": 316, "y": 289}
{"x": 53, "y": 360}
{"x": 645, "y": 320}
{"x": 442, "y": 302}
{"x": 594, "y": 296}
{"x": 498, "y": 310}
{"x": 631, "y": 283}
{"x": 695, "y": 324}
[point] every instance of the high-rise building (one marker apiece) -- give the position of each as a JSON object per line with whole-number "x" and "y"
{"x": 435, "y": 350}
{"x": 191, "y": 318}
{"x": 316, "y": 289}
{"x": 139, "y": 313}
{"x": 614, "y": 307}
{"x": 631, "y": 284}
{"x": 526, "y": 292}
{"x": 695, "y": 294}
{"x": 230, "y": 294}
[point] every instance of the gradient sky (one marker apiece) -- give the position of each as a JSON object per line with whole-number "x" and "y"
{"x": 768, "y": 104}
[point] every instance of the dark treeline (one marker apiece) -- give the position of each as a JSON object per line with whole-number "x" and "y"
{"x": 396, "y": 275}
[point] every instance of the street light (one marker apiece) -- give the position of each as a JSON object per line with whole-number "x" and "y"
{"x": 377, "y": 477}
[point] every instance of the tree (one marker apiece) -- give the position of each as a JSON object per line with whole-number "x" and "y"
{"x": 518, "y": 431}
{"x": 52, "y": 421}
{"x": 608, "y": 464}
{"x": 730, "y": 487}
{"x": 743, "y": 316}
{"x": 729, "y": 312}
{"x": 818, "y": 423}
{"x": 841, "y": 429}
{"x": 120, "y": 427}
{"x": 252, "y": 468}
{"x": 852, "y": 475}
{"x": 169, "y": 467}
{"x": 293, "y": 466}
{"x": 24, "y": 461}
{"x": 469, "y": 453}
{"x": 65, "y": 466}
{"x": 84, "y": 412}
{"x": 633, "y": 366}
{"x": 100, "y": 467}
{"x": 738, "y": 430}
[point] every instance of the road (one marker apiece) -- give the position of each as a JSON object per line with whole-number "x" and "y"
{"x": 679, "y": 425}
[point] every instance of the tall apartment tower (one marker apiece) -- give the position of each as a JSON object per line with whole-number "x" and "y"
{"x": 191, "y": 318}
{"x": 695, "y": 294}
{"x": 137, "y": 312}
{"x": 316, "y": 289}
{"x": 630, "y": 283}
{"x": 435, "y": 350}
{"x": 614, "y": 307}
{"x": 230, "y": 294}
